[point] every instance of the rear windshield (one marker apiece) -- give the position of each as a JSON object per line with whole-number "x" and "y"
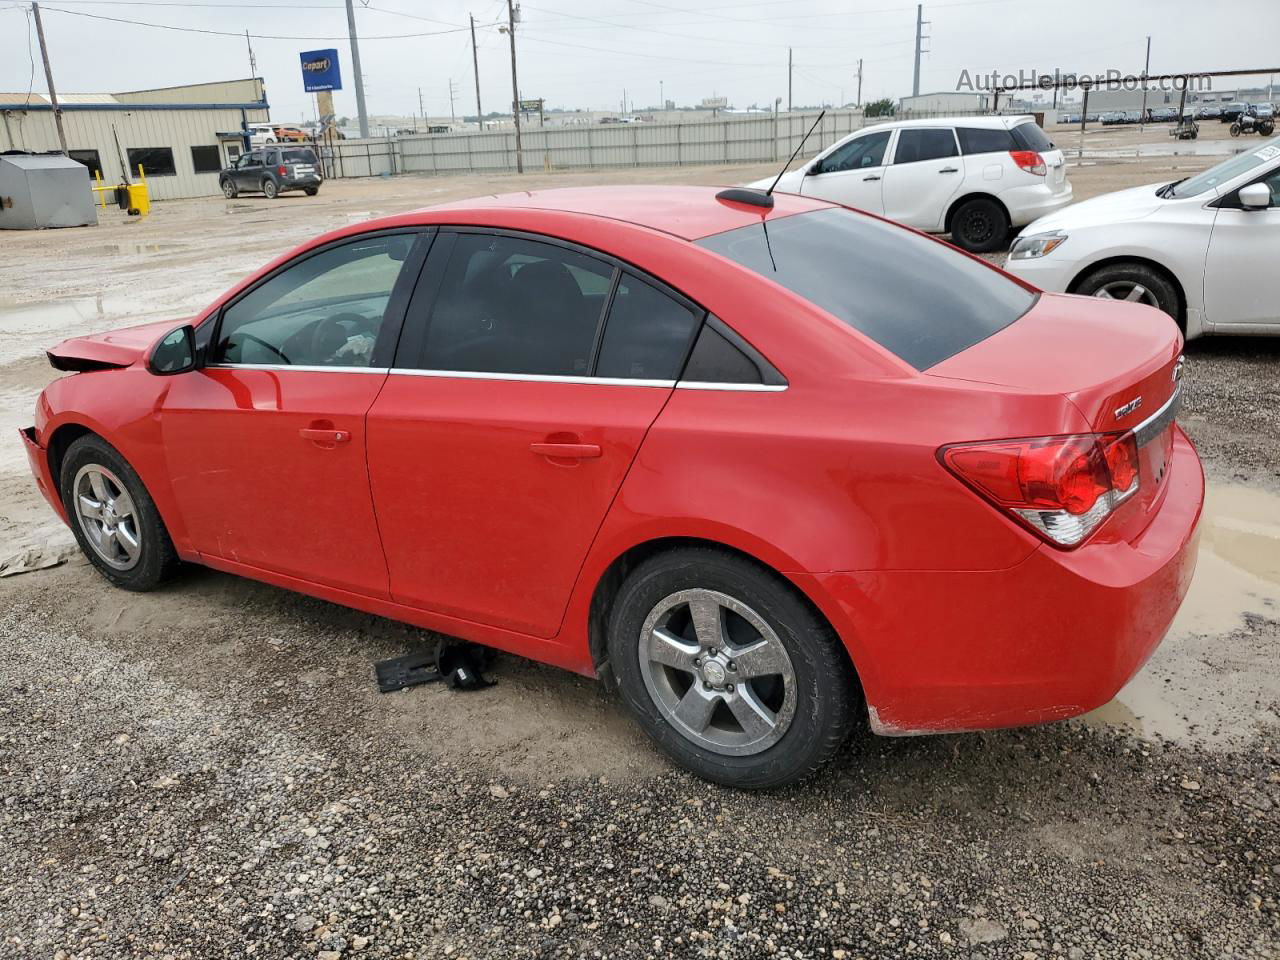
{"x": 1028, "y": 136}
{"x": 297, "y": 155}
{"x": 917, "y": 298}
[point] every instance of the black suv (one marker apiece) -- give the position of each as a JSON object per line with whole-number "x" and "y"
{"x": 272, "y": 170}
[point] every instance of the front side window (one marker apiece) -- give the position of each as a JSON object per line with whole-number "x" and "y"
{"x": 916, "y": 297}
{"x": 647, "y": 333}
{"x": 510, "y": 305}
{"x": 857, "y": 154}
{"x": 916, "y": 145}
{"x": 155, "y": 161}
{"x": 325, "y": 310}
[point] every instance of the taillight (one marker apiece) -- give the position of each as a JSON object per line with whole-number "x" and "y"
{"x": 282, "y": 171}
{"x": 1029, "y": 161}
{"x": 1060, "y": 487}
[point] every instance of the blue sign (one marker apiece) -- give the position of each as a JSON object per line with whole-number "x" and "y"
{"x": 320, "y": 71}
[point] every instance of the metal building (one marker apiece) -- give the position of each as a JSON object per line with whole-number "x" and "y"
{"x": 946, "y": 101}
{"x": 182, "y": 136}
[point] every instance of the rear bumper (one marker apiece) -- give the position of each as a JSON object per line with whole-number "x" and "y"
{"x": 300, "y": 183}
{"x": 1053, "y": 637}
{"x": 1030, "y": 203}
{"x": 38, "y": 459}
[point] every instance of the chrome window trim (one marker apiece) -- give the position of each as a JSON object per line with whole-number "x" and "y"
{"x": 533, "y": 377}
{"x": 299, "y": 368}
{"x": 740, "y": 387}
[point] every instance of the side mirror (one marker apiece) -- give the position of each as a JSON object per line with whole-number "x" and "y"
{"x": 1256, "y": 196}
{"x": 176, "y": 353}
{"x": 814, "y": 168}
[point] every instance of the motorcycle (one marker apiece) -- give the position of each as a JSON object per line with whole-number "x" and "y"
{"x": 1248, "y": 123}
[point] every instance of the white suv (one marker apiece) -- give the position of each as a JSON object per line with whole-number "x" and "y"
{"x": 972, "y": 177}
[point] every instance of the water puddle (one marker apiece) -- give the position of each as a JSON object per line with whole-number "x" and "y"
{"x": 1200, "y": 687}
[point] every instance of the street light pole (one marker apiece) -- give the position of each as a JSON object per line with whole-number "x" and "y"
{"x": 48, "y": 75}
{"x": 515, "y": 84}
{"x": 355, "y": 65}
{"x": 475, "y": 63}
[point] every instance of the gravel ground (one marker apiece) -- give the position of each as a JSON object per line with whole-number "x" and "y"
{"x": 208, "y": 771}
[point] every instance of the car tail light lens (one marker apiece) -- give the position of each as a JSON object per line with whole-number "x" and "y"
{"x": 1029, "y": 161}
{"x": 282, "y": 171}
{"x": 1063, "y": 488}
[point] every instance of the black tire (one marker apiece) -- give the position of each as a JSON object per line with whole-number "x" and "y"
{"x": 826, "y": 689}
{"x": 1235, "y": 129}
{"x": 1267, "y": 129}
{"x": 229, "y": 189}
{"x": 157, "y": 560}
{"x": 1161, "y": 288}
{"x": 312, "y": 191}
{"x": 270, "y": 188}
{"x": 980, "y": 226}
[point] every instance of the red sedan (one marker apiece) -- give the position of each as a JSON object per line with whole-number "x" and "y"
{"x": 757, "y": 465}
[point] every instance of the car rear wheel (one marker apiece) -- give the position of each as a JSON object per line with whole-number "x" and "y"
{"x": 229, "y": 189}
{"x": 980, "y": 226}
{"x": 312, "y": 191}
{"x": 1134, "y": 282}
{"x": 728, "y": 670}
{"x": 270, "y": 189}
{"x": 113, "y": 517}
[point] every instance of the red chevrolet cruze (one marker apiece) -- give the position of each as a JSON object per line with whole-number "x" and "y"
{"x": 758, "y": 464}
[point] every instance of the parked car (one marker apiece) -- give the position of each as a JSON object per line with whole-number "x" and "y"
{"x": 972, "y": 177}
{"x": 1112, "y": 118}
{"x": 1231, "y": 112}
{"x": 1197, "y": 248}
{"x": 1071, "y": 118}
{"x": 1164, "y": 115}
{"x": 291, "y": 135}
{"x": 1264, "y": 111}
{"x": 1091, "y": 118}
{"x": 743, "y": 459}
{"x": 272, "y": 171}
{"x": 1209, "y": 113}
{"x": 261, "y": 134}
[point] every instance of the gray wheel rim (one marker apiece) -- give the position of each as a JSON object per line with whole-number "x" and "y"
{"x": 717, "y": 672}
{"x": 228, "y": 190}
{"x": 1129, "y": 290}
{"x": 269, "y": 188}
{"x": 107, "y": 516}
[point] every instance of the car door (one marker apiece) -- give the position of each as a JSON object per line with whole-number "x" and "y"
{"x": 266, "y": 441}
{"x": 248, "y": 173}
{"x": 925, "y": 175}
{"x": 851, "y": 174}
{"x": 1241, "y": 256}
{"x": 510, "y": 420}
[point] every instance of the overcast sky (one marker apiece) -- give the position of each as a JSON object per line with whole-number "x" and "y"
{"x": 583, "y": 53}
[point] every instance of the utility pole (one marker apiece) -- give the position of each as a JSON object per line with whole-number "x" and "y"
{"x": 48, "y": 75}
{"x": 1142, "y": 121}
{"x": 515, "y": 83}
{"x": 662, "y": 97}
{"x": 859, "y": 81}
{"x": 355, "y": 66}
{"x": 253, "y": 62}
{"x": 475, "y": 64}
{"x": 453, "y": 89}
{"x": 788, "y": 79}
{"x": 915, "y": 82}
{"x": 421, "y": 111}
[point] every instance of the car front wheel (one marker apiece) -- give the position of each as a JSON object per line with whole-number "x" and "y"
{"x": 113, "y": 518}
{"x": 728, "y": 670}
{"x": 229, "y": 189}
{"x": 980, "y": 226}
{"x": 1134, "y": 282}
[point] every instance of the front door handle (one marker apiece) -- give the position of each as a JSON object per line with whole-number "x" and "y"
{"x": 317, "y": 435}
{"x": 949, "y": 170}
{"x": 567, "y": 451}
{"x": 874, "y": 176}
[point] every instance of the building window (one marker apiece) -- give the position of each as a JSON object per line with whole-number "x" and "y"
{"x": 206, "y": 159}
{"x": 90, "y": 159}
{"x": 156, "y": 161}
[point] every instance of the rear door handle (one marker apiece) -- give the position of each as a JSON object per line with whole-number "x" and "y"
{"x": 316, "y": 435}
{"x": 949, "y": 170}
{"x": 567, "y": 451}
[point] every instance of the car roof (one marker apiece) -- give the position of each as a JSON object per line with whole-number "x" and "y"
{"x": 998, "y": 122}
{"x": 688, "y": 212}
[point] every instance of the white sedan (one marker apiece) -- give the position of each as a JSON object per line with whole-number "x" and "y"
{"x": 1201, "y": 249}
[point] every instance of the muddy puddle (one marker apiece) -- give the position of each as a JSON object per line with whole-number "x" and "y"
{"x": 1197, "y": 688}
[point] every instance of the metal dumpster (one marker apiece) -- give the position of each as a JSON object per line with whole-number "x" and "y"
{"x": 44, "y": 190}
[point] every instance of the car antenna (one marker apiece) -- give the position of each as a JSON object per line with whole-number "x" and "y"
{"x": 755, "y": 197}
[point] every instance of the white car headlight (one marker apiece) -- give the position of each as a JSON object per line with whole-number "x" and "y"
{"x": 1036, "y": 245}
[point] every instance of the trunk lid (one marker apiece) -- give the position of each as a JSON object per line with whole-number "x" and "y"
{"x": 104, "y": 351}
{"x": 1118, "y": 363}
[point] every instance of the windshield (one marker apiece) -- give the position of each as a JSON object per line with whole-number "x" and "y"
{"x": 918, "y": 298}
{"x": 1227, "y": 170}
{"x": 299, "y": 155}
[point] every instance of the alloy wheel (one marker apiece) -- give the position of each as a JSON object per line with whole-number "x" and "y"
{"x": 1128, "y": 290}
{"x": 717, "y": 672}
{"x": 107, "y": 516}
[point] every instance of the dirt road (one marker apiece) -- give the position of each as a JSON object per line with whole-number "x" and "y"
{"x": 208, "y": 770}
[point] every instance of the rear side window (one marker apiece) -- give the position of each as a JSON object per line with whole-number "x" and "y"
{"x": 647, "y": 334}
{"x": 980, "y": 140}
{"x": 716, "y": 360}
{"x": 1030, "y": 137}
{"x": 917, "y": 145}
{"x": 916, "y": 297}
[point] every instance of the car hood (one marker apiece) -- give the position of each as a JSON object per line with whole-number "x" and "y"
{"x": 790, "y": 182}
{"x": 104, "y": 351}
{"x": 1119, "y": 207}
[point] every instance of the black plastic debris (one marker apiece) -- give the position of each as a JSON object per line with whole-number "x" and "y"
{"x": 460, "y": 665}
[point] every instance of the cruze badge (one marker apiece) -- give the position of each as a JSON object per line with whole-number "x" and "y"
{"x": 1128, "y": 408}
{"x": 1177, "y": 370}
